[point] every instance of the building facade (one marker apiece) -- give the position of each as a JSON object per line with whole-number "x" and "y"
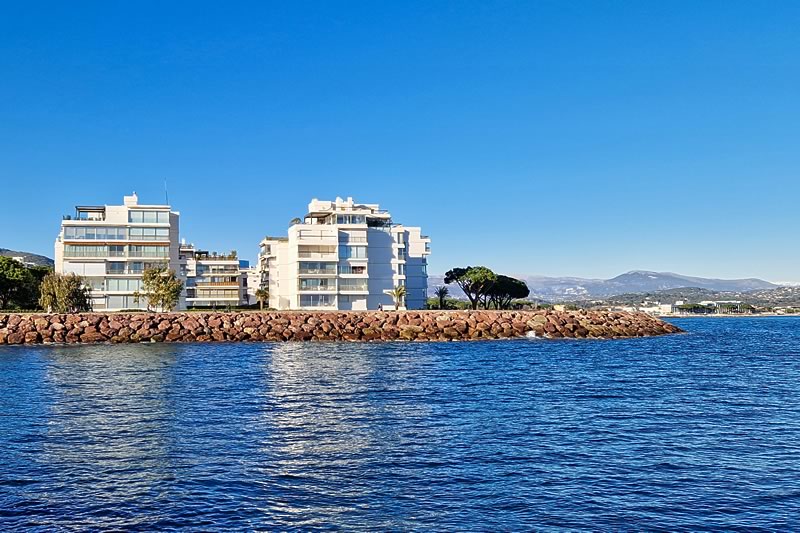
{"x": 251, "y": 282}
{"x": 111, "y": 246}
{"x": 211, "y": 280}
{"x": 344, "y": 255}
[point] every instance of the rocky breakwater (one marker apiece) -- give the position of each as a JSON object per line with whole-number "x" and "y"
{"x": 324, "y": 326}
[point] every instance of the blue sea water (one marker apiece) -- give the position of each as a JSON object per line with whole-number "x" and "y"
{"x": 688, "y": 432}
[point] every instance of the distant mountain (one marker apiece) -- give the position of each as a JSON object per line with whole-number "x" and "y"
{"x": 777, "y": 297}
{"x": 635, "y": 281}
{"x": 28, "y": 258}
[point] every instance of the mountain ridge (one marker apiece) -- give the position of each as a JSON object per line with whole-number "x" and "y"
{"x": 560, "y": 289}
{"x": 28, "y": 257}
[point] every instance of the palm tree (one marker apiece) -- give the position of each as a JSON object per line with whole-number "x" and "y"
{"x": 442, "y": 292}
{"x": 399, "y": 296}
{"x": 262, "y": 295}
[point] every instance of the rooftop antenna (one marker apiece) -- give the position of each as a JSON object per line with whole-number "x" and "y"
{"x": 166, "y": 193}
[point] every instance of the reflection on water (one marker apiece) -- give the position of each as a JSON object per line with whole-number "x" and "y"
{"x": 695, "y": 431}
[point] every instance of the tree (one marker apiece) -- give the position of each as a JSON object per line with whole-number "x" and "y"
{"x": 30, "y": 297}
{"x": 398, "y": 294}
{"x": 262, "y": 295}
{"x": 64, "y": 293}
{"x": 506, "y": 289}
{"x": 474, "y": 281}
{"x": 14, "y": 278}
{"x": 160, "y": 288}
{"x": 441, "y": 293}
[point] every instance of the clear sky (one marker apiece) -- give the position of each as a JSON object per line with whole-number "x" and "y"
{"x": 556, "y": 138}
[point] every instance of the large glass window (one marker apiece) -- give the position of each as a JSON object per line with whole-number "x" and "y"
{"x": 93, "y": 233}
{"x": 148, "y": 251}
{"x": 315, "y": 284}
{"x": 353, "y": 284}
{"x": 115, "y": 268}
{"x": 316, "y": 300}
{"x": 148, "y": 217}
{"x": 125, "y": 302}
{"x": 149, "y": 234}
{"x": 352, "y": 252}
{"x": 123, "y": 284}
{"x": 350, "y": 219}
{"x": 313, "y": 267}
{"x": 352, "y": 269}
{"x": 95, "y": 284}
{"x": 80, "y": 250}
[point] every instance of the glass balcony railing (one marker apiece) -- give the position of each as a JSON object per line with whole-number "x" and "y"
{"x": 353, "y": 287}
{"x": 352, "y": 240}
{"x": 320, "y": 271}
{"x": 316, "y": 255}
{"x": 316, "y": 288}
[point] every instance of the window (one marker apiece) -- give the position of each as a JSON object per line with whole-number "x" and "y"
{"x": 315, "y": 284}
{"x": 316, "y": 300}
{"x": 125, "y": 302}
{"x": 149, "y": 234}
{"x": 80, "y": 250}
{"x": 350, "y": 219}
{"x": 352, "y": 252}
{"x": 353, "y": 284}
{"x": 148, "y": 217}
{"x": 116, "y": 250}
{"x": 313, "y": 267}
{"x": 115, "y": 268}
{"x": 352, "y": 269}
{"x": 124, "y": 284}
{"x": 148, "y": 251}
{"x": 95, "y": 284}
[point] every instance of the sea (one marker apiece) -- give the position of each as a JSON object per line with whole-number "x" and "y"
{"x": 691, "y": 432}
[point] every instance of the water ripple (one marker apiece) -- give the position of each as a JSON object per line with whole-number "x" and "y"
{"x": 690, "y": 432}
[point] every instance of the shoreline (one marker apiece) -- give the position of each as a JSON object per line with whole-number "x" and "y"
{"x": 336, "y": 326}
{"x": 737, "y": 315}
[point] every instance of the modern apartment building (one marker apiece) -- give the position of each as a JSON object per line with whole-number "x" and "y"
{"x": 110, "y": 246}
{"x": 211, "y": 280}
{"x": 345, "y": 255}
{"x": 251, "y": 282}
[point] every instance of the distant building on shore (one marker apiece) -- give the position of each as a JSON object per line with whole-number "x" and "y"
{"x": 211, "y": 279}
{"x": 345, "y": 255}
{"x": 111, "y": 246}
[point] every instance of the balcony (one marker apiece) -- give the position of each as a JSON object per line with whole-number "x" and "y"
{"x": 317, "y": 255}
{"x": 343, "y": 239}
{"x": 216, "y": 284}
{"x": 124, "y": 271}
{"x": 360, "y": 287}
{"x": 304, "y": 286}
{"x": 317, "y": 271}
{"x": 347, "y": 270}
{"x": 316, "y": 237}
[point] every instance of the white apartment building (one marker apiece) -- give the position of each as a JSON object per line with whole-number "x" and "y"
{"x": 211, "y": 280}
{"x": 110, "y": 246}
{"x": 345, "y": 255}
{"x": 251, "y": 282}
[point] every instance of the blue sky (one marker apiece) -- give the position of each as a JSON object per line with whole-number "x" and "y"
{"x": 556, "y": 138}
